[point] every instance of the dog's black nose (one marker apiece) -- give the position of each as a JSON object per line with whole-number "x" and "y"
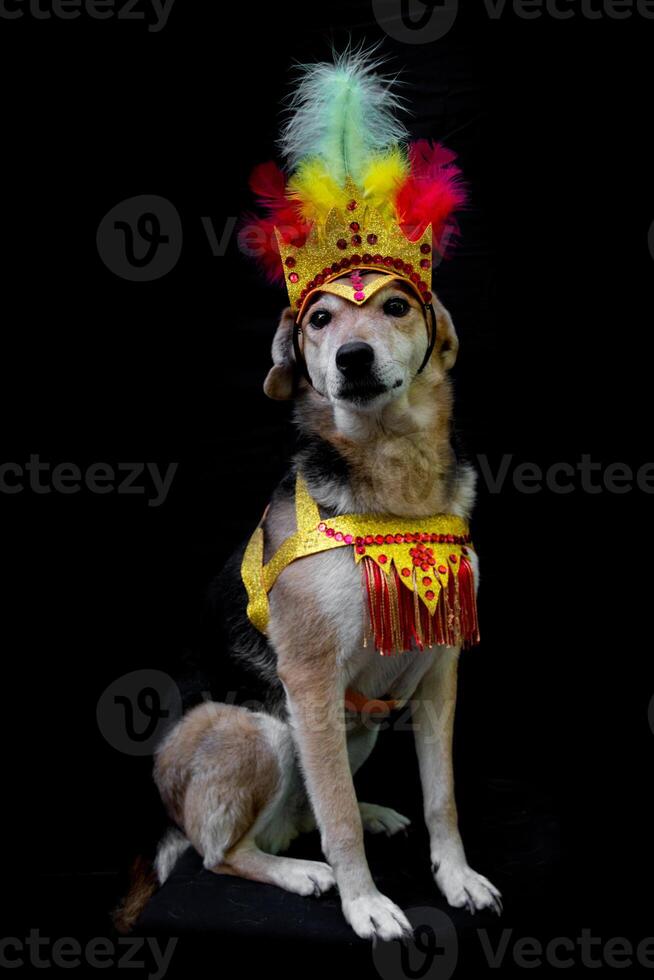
{"x": 354, "y": 359}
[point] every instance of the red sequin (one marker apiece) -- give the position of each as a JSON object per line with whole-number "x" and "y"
{"x": 406, "y": 571}
{"x": 371, "y": 239}
{"x": 356, "y": 239}
{"x": 382, "y": 559}
{"x": 429, "y": 595}
{"x": 355, "y": 226}
{"x": 293, "y": 277}
{"x": 352, "y": 205}
{"x": 426, "y": 580}
{"x": 341, "y": 243}
{"x": 425, "y": 248}
{"x": 442, "y": 569}
{"x": 424, "y": 263}
{"x": 290, "y": 261}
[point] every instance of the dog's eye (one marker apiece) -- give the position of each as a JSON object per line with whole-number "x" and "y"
{"x": 396, "y": 306}
{"x": 320, "y": 319}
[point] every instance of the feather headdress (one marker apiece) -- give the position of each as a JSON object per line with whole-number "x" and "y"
{"x": 356, "y": 194}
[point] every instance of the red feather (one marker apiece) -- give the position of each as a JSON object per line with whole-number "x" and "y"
{"x": 257, "y": 237}
{"x": 268, "y": 182}
{"x": 431, "y": 193}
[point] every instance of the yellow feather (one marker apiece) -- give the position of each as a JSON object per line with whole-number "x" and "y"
{"x": 316, "y": 192}
{"x": 383, "y": 176}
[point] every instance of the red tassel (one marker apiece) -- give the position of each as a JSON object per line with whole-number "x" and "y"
{"x": 399, "y": 620}
{"x": 468, "y": 598}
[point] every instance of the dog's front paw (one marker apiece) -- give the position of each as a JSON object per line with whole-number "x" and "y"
{"x": 465, "y": 888}
{"x": 381, "y": 819}
{"x": 375, "y": 917}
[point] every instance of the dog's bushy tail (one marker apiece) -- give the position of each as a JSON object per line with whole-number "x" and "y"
{"x": 145, "y": 877}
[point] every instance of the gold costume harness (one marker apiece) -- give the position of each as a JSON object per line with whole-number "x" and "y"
{"x": 417, "y": 573}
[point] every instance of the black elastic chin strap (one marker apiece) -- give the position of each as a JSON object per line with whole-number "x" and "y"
{"x": 431, "y": 333}
{"x": 430, "y": 322}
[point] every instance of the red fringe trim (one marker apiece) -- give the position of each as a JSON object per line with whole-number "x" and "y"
{"x": 399, "y": 619}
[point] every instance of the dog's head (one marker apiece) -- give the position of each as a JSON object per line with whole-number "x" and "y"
{"x": 362, "y": 357}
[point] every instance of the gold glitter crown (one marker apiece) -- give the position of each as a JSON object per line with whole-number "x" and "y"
{"x": 357, "y": 237}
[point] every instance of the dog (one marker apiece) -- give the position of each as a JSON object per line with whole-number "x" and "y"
{"x": 238, "y": 784}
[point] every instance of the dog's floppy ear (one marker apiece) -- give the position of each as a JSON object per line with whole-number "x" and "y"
{"x": 279, "y": 381}
{"x": 447, "y": 342}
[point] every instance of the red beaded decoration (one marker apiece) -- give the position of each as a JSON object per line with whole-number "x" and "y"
{"x": 371, "y": 239}
{"x": 352, "y": 205}
{"x": 355, "y": 226}
{"x": 290, "y": 261}
{"x": 341, "y": 243}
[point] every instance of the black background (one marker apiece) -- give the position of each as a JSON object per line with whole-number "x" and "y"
{"x": 550, "y": 290}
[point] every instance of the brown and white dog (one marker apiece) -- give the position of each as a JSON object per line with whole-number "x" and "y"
{"x": 238, "y": 784}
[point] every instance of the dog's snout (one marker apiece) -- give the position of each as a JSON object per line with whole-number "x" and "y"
{"x": 354, "y": 359}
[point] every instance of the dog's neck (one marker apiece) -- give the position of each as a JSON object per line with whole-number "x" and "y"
{"x": 396, "y": 461}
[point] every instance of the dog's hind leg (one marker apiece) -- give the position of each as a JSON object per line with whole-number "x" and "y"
{"x": 292, "y": 874}
{"x": 226, "y": 775}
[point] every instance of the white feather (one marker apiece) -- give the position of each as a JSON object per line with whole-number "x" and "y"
{"x": 343, "y": 112}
